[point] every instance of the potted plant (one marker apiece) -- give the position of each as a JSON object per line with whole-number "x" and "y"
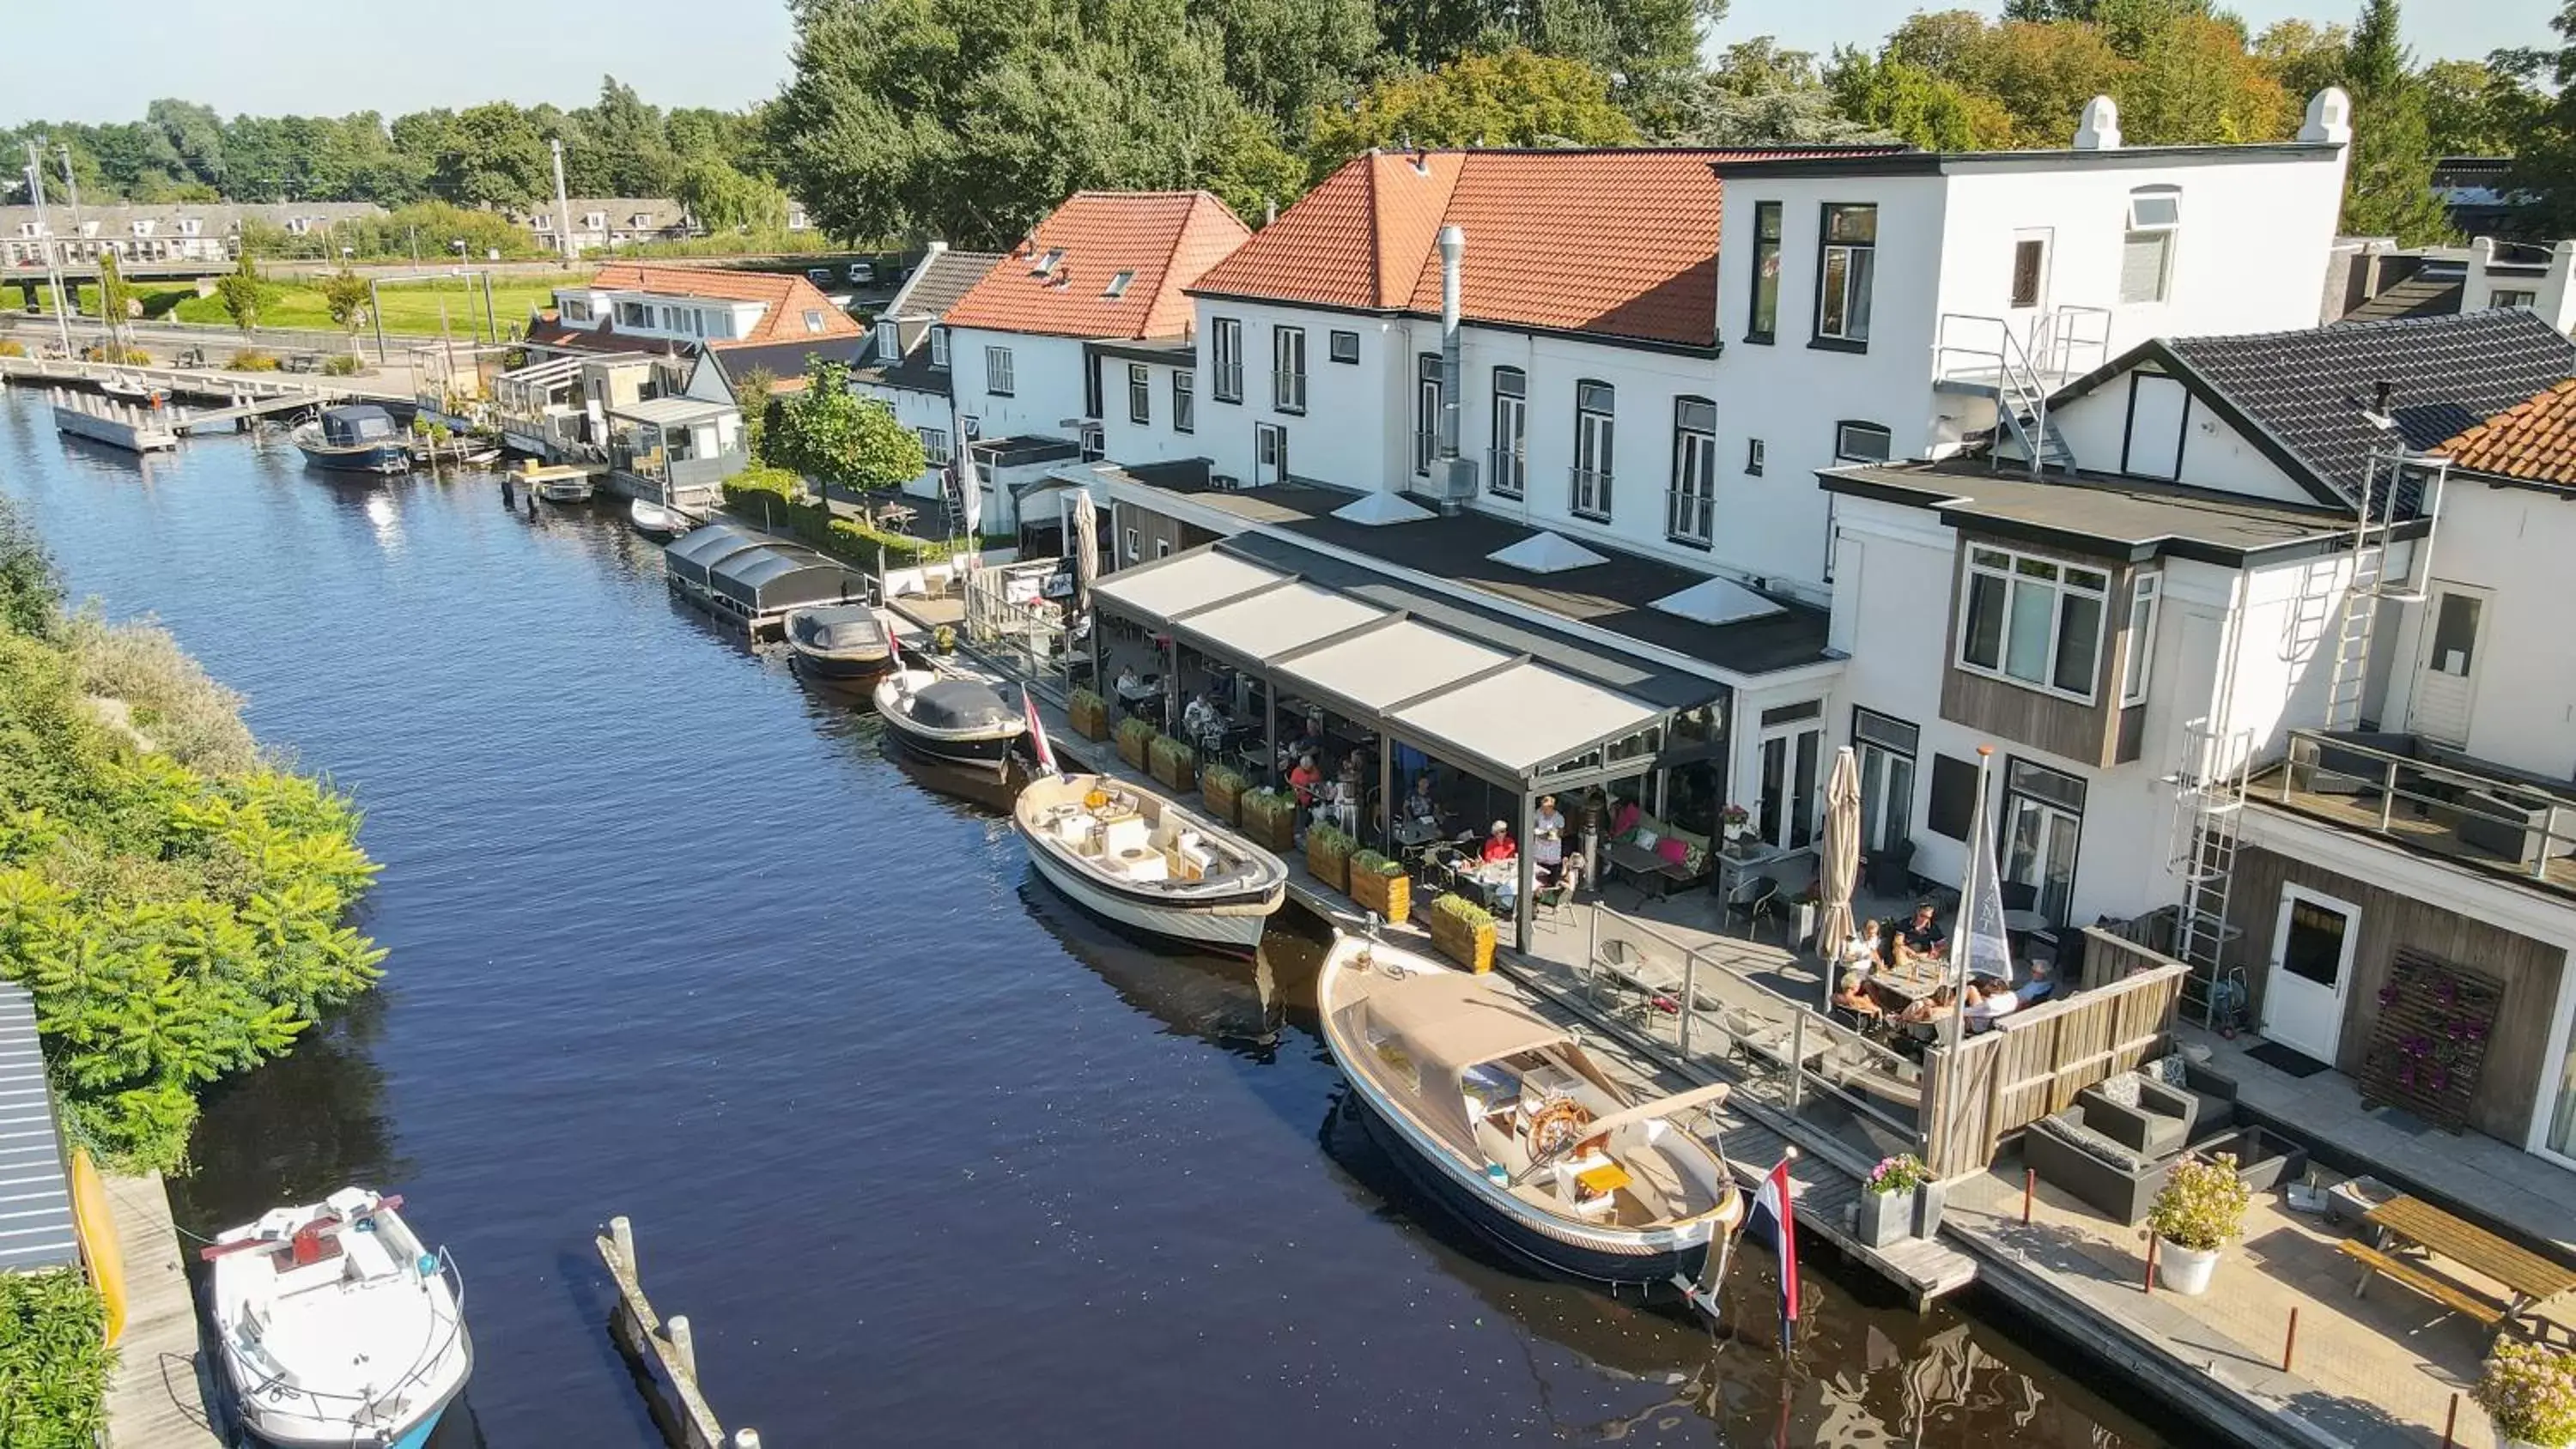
{"x": 1089, "y": 712}
{"x": 1135, "y": 737}
{"x": 1380, "y": 885}
{"x": 2200, "y": 1211}
{"x": 1269, "y": 817}
{"x": 1734, "y": 820}
{"x": 1328, "y": 854}
{"x": 943, "y": 640}
{"x": 1463, "y": 931}
{"x": 2529, "y": 1392}
{"x": 1887, "y": 1199}
{"x": 1173, "y": 762}
{"x": 1223, "y": 787}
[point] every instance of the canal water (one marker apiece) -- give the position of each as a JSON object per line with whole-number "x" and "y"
{"x": 926, "y": 1157}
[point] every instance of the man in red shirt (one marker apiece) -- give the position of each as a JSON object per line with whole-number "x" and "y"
{"x": 1498, "y": 844}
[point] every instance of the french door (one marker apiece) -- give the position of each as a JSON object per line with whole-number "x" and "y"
{"x": 1269, "y": 454}
{"x": 1790, "y": 761}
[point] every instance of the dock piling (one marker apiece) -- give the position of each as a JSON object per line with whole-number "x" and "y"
{"x": 2029, "y": 1190}
{"x": 684, "y": 1344}
{"x": 2451, "y": 1421}
{"x": 2290, "y": 1345}
{"x": 2150, "y": 1286}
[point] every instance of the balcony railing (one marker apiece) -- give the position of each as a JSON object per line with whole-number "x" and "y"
{"x": 2431, "y": 800}
{"x": 1590, "y": 497}
{"x": 1508, "y": 470}
{"x": 1689, "y": 516}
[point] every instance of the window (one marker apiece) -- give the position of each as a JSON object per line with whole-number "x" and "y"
{"x": 888, "y": 340}
{"x": 1507, "y": 467}
{"x": 997, "y": 371}
{"x": 1862, "y": 443}
{"x": 1185, "y": 411}
{"x": 1118, "y": 285}
{"x": 594, "y": 220}
{"x": 1135, "y": 546}
{"x": 1288, "y": 369}
{"x": 1162, "y": 548}
{"x": 2524, "y": 300}
{"x": 2455, "y": 634}
{"x": 813, "y": 320}
{"x": 1843, "y": 275}
{"x": 939, "y": 347}
{"x": 1690, "y": 509}
{"x": 1595, "y": 415}
{"x": 575, "y": 309}
{"x": 1765, "y": 317}
{"x": 2030, "y": 262}
{"x": 2043, "y": 821}
{"x": 634, "y": 314}
{"x": 1140, "y": 394}
{"x": 1046, "y": 262}
{"x": 2146, "y": 252}
{"x": 545, "y": 222}
{"x": 1886, "y": 750}
{"x": 970, "y": 427}
{"x": 1792, "y": 748}
{"x": 1345, "y": 346}
{"x": 1092, "y": 441}
{"x": 1429, "y": 397}
{"x": 934, "y": 447}
{"x": 2142, "y": 638}
{"x": 1225, "y": 348}
{"x": 2034, "y": 621}
{"x": 1753, "y": 456}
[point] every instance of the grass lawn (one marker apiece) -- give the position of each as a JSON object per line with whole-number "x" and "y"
{"x": 410, "y": 307}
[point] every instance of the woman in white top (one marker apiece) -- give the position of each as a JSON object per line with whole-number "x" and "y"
{"x": 1547, "y": 840}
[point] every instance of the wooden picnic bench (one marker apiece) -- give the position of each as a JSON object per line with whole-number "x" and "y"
{"x": 2530, "y": 1280}
{"x": 2376, "y": 1264}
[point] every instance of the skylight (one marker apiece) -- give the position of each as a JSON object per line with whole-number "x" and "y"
{"x": 1118, "y": 284}
{"x": 1046, "y": 263}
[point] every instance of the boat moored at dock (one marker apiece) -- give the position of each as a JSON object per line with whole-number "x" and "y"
{"x": 1138, "y": 860}
{"x": 952, "y": 721}
{"x": 336, "y": 1327}
{"x": 1501, "y": 1115}
{"x": 358, "y": 438}
{"x": 839, "y": 641}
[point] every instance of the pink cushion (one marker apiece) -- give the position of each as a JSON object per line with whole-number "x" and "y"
{"x": 1672, "y": 849}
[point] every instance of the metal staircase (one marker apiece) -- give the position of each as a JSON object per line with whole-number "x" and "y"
{"x": 1982, "y": 356}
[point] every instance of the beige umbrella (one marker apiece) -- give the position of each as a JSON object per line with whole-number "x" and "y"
{"x": 1838, "y": 857}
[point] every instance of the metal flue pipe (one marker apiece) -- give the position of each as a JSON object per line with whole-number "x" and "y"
{"x": 1453, "y": 247}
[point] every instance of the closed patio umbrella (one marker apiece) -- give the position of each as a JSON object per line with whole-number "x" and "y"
{"x": 1838, "y": 858}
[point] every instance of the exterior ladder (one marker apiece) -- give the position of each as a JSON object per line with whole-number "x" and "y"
{"x": 2350, "y": 680}
{"x": 2210, "y": 783}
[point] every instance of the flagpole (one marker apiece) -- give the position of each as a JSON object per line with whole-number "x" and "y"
{"x": 1955, "y": 1016}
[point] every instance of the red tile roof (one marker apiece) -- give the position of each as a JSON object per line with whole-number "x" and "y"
{"x": 786, "y": 298}
{"x": 1617, "y": 242}
{"x": 1166, "y": 238}
{"x": 2533, "y": 441}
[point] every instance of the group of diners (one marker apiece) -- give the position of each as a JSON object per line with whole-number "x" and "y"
{"x": 1895, "y": 980}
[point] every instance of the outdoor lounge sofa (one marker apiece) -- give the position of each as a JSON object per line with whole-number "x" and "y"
{"x": 2140, "y": 1113}
{"x": 2100, "y": 1171}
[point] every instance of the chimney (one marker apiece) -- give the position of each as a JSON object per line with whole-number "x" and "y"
{"x": 2381, "y": 392}
{"x": 2100, "y": 128}
{"x": 1457, "y": 477}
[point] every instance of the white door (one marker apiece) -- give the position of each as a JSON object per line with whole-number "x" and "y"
{"x": 1269, "y": 454}
{"x": 2312, "y": 946}
{"x": 2446, "y": 677}
{"x": 1791, "y": 757}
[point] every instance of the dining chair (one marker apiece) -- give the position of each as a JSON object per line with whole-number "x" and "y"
{"x": 1756, "y": 898}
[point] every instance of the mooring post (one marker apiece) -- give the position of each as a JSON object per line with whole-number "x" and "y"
{"x": 2290, "y": 1345}
{"x": 2151, "y": 1263}
{"x": 684, "y": 1342}
{"x": 2451, "y": 1421}
{"x": 746, "y": 1439}
{"x": 2029, "y": 1189}
{"x": 622, "y": 1234}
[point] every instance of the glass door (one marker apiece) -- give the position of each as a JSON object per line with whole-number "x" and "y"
{"x": 1787, "y": 818}
{"x": 1886, "y": 797}
{"x": 2039, "y": 852}
{"x": 2312, "y": 944}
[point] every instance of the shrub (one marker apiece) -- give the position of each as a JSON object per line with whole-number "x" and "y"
{"x": 1081, "y": 698}
{"x": 1902, "y": 1173}
{"x": 1374, "y": 863}
{"x": 759, "y": 481}
{"x": 1225, "y": 778}
{"x": 2202, "y": 1206}
{"x": 1269, "y": 799}
{"x": 53, "y": 1361}
{"x": 340, "y": 364}
{"x": 171, "y": 700}
{"x": 1464, "y": 911}
{"x": 1331, "y": 840}
{"x": 251, "y": 359}
{"x": 1136, "y": 733}
{"x": 2530, "y": 1389}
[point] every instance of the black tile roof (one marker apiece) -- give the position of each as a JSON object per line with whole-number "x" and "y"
{"x": 787, "y": 359}
{"x": 2301, "y": 396}
{"x": 913, "y": 372}
{"x": 2414, "y": 297}
{"x": 2108, "y": 517}
{"x": 940, "y": 280}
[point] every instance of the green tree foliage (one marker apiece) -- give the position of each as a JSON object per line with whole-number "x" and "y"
{"x": 834, "y": 436}
{"x": 1287, "y": 58}
{"x": 240, "y": 291}
{"x": 177, "y": 920}
{"x": 31, "y": 592}
{"x": 1514, "y": 98}
{"x": 115, "y": 295}
{"x": 54, "y": 1361}
{"x": 753, "y": 393}
{"x": 2545, "y": 165}
{"x": 495, "y": 156}
{"x": 345, "y": 293}
{"x": 2388, "y": 188}
{"x": 1761, "y": 95}
{"x": 1915, "y": 105}
{"x": 2474, "y": 109}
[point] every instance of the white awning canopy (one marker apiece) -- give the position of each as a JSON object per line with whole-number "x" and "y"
{"x": 1158, "y": 591}
{"x": 1385, "y": 666}
{"x": 1525, "y": 717}
{"x": 1274, "y": 621}
{"x": 672, "y": 412}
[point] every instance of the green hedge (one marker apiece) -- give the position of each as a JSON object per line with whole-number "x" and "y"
{"x": 1466, "y": 911}
{"x": 1375, "y": 863}
{"x": 773, "y": 499}
{"x": 53, "y": 1361}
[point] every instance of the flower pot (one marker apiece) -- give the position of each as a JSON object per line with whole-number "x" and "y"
{"x": 2184, "y": 1270}
{"x": 1929, "y": 1200}
{"x": 1176, "y": 768}
{"x": 1469, "y": 946}
{"x": 1224, "y": 799}
{"x": 1132, "y": 747}
{"x": 1885, "y": 1218}
{"x": 1331, "y": 867}
{"x": 1090, "y": 718}
{"x": 1736, "y": 832}
{"x": 1391, "y": 896}
{"x": 1272, "y": 827}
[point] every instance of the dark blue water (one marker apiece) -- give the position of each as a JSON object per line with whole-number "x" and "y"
{"x": 926, "y": 1158}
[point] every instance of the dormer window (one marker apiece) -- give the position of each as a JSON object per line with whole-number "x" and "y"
{"x": 641, "y": 220}
{"x": 89, "y": 228}
{"x": 143, "y": 226}
{"x": 296, "y": 226}
{"x": 594, "y": 220}
{"x": 2146, "y": 252}
{"x": 813, "y": 321}
{"x": 887, "y": 340}
{"x": 1118, "y": 285}
{"x": 1046, "y": 263}
{"x": 545, "y": 221}
{"x": 30, "y": 229}
{"x": 189, "y": 225}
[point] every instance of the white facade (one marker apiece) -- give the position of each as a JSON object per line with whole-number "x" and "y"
{"x": 1043, "y": 377}
{"x": 1158, "y": 436}
{"x": 659, "y": 314}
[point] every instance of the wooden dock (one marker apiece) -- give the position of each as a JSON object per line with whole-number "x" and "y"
{"x": 664, "y": 1355}
{"x": 156, "y": 1398}
{"x": 132, "y": 426}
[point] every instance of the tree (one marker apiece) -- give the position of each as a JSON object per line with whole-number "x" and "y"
{"x": 2304, "y": 58}
{"x": 1914, "y": 105}
{"x": 751, "y": 393}
{"x": 1515, "y": 98}
{"x": 1286, "y": 58}
{"x": 345, "y": 295}
{"x": 723, "y": 199}
{"x": 2388, "y": 187}
{"x": 240, "y": 290}
{"x": 2194, "y": 83}
{"x": 115, "y": 300}
{"x": 834, "y": 436}
{"x": 2473, "y": 109}
{"x": 494, "y": 156}
{"x": 629, "y": 136}
{"x": 2545, "y": 165}
{"x": 1761, "y": 95}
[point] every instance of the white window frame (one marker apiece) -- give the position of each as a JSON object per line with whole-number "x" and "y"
{"x": 2524, "y": 298}
{"x": 939, "y": 347}
{"x": 1185, "y": 400}
{"x": 889, "y": 339}
{"x": 1596, "y": 437}
{"x": 2146, "y": 598}
{"x": 1225, "y": 355}
{"x": 1507, "y": 471}
{"x": 1288, "y": 370}
{"x": 1269, "y": 454}
{"x": 2155, "y": 212}
{"x": 813, "y": 322}
{"x": 2025, "y": 798}
{"x": 1135, "y": 545}
{"x": 1118, "y": 285}
{"x": 1140, "y": 395}
{"x": 999, "y": 377}
{"x": 2017, "y": 571}
{"x": 1430, "y": 398}
{"x": 935, "y": 447}
{"x": 1690, "y": 507}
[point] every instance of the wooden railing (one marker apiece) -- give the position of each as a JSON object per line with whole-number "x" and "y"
{"x": 2034, "y": 1061}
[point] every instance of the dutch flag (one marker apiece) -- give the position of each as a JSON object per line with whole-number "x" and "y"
{"x": 1772, "y": 1218}
{"x": 1037, "y": 732}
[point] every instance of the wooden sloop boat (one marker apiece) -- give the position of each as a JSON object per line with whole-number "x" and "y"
{"x": 954, "y": 721}
{"x": 360, "y": 438}
{"x": 1502, "y": 1116}
{"x": 1141, "y": 862}
{"x": 838, "y": 641}
{"x": 562, "y": 485}
{"x": 336, "y": 1327}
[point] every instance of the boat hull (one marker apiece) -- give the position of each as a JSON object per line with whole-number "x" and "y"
{"x": 987, "y": 748}
{"x": 838, "y": 666}
{"x": 391, "y": 456}
{"x": 1232, "y": 928}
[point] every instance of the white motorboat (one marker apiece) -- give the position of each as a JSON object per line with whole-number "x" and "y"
{"x": 1139, "y": 861}
{"x": 565, "y": 487}
{"x": 336, "y": 1327}
{"x": 952, "y": 721}
{"x": 1501, "y": 1115}
{"x": 654, "y": 520}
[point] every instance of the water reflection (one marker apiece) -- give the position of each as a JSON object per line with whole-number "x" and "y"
{"x": 296, "y": 1130}
{"x": 1231, "y": 1004}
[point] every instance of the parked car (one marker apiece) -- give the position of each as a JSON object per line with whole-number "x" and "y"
{"x": 819, "y": 276}
{"x": 863, "y": 274}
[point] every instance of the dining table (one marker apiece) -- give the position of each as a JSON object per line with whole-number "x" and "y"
{"x": 2530, "y": 1280}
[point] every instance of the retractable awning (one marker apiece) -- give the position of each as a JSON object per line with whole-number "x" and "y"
{"x": 1268, "y": 624}
{"x": 1387, "y": 666}
{"x": 672, "y": 412}
{"x": 1159, "y": 591}
{"x": 1524, "y": 719}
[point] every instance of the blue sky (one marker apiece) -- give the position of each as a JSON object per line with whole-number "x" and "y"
{"x": 308, "y": 56}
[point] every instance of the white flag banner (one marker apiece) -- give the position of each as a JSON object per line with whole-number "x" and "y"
{"x": 970, "y": 486}
{"x": 1984, "y": 947}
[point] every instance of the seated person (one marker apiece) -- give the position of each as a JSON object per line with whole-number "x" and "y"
{"x": 1498, "y": 844}
{"x": 1852, "y": 1002}
{"x": 1420, "y": 806}
{"x": 1918, "y": 936}
{"x": 1930, "y": 1008}
{"x": 1988, "y": 999}
{"x": 2041, "y": 986}
{"x": 1197, "y": 717}
{"x": 1127, "y": 679}
{"x": 1860, "y": 948}
{"x": 1624, "y": 819}
{"x": 1304, "y": 779}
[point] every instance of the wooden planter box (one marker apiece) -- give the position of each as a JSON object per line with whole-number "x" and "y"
{"x": 1132, "y": 747}
{"x": 1178, "y": 769}
{"x": 1090, "y": 719}
{"x": 1332, "y": 870}
{"x": 1274, "y": 829}
{"x": 1224, "y": 801}
{"x": 1471, "y": 947}
{"x": 1391, "y": 896}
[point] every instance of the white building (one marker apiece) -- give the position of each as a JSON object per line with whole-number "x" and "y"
{"x": 169, "y": 232}
{"x": 906, "y": 366}
{"x": 601, "y": 223}
{"x": 2373, "y": 279}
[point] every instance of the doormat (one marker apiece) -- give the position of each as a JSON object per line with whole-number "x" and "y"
{"x": 2281, "y": 1059}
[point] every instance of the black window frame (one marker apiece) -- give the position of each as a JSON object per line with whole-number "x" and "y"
{"x": 1225, "y": 335}
{"x": 1817, "y": 337}
{"x": 1430, "y": 371}
{"x": 1185, "y": 400}
{"x": 1337, "y": 352}
{"x": 1753, "y": 457}
{"x": 1767, "y": 236}
{"x": 1010, "y": 369}
{"x": 1140, "y": 394}
{"x": 1843, "y": 425}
